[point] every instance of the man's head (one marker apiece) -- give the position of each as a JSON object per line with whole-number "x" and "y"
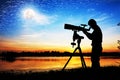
{"x": 92, "y": 23}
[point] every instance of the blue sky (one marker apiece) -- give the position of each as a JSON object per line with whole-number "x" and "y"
{"x": 41, "y": 22}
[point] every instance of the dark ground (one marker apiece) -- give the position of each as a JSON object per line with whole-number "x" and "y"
{"x": 104, "y": 73}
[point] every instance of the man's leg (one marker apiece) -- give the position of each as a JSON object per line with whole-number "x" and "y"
{"x": 95, "y": 57}
{"x": 95, "y": 62}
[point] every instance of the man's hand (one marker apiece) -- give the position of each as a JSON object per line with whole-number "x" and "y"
{"x": 84, "y": 30}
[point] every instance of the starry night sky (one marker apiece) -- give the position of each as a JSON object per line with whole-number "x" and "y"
{"x": 45, "y": 25}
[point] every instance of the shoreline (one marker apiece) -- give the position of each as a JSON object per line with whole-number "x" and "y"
{"x": 103, "y": 73}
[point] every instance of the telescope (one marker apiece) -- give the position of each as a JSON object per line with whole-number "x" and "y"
{"x": 76, "y": 28}
{"x": 78, "y": 38}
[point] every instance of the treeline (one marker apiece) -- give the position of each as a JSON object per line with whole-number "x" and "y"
{"x": 52, "y": 53}
{"x": 38, "y": 54}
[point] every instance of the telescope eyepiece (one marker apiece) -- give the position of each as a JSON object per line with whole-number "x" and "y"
{"x": 84, "y": 25}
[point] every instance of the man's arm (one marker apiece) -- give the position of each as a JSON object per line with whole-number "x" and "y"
{"x": 89, "y": 35}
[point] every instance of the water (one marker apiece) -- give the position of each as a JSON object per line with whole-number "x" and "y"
{"x": 51, "y": 63}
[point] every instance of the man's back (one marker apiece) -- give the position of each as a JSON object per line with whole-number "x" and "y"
{"x": 97, "y": 37}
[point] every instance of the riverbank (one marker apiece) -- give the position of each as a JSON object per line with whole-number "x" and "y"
{"x": 104, "y": 73}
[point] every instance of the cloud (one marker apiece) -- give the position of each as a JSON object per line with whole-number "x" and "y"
{"x": 42, "y": 19}
{"x": 111, "y": 35}
{"x": 102, "y": 17}
{"x": 46, "y": 38}
{"x": 32, "y": 17}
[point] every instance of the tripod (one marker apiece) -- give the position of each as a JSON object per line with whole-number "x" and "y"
{"x": 76, "y": 36}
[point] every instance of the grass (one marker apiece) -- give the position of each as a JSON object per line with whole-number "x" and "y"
{"x": 104, "y": 73}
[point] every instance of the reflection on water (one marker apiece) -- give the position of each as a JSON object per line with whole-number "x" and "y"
{"x": 51, "y": 63}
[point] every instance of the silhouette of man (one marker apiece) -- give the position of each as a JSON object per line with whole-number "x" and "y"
{"x": 96, "y": 37}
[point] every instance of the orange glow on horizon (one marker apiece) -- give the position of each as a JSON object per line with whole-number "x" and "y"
{"x": 10, "y": 45}
{"x": 52, "y": 48}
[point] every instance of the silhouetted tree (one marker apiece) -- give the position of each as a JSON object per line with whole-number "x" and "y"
{"x": 118, "y": 24}
{"x": 118, "y": 44}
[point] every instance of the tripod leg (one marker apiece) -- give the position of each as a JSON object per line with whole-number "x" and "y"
{"x": 83, "y": 62}
{"x": 68, "y": 60}
{"x": 82, "y": 59}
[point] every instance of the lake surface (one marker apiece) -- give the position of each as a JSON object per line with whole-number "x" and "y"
{"x": 51, "y": 63}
